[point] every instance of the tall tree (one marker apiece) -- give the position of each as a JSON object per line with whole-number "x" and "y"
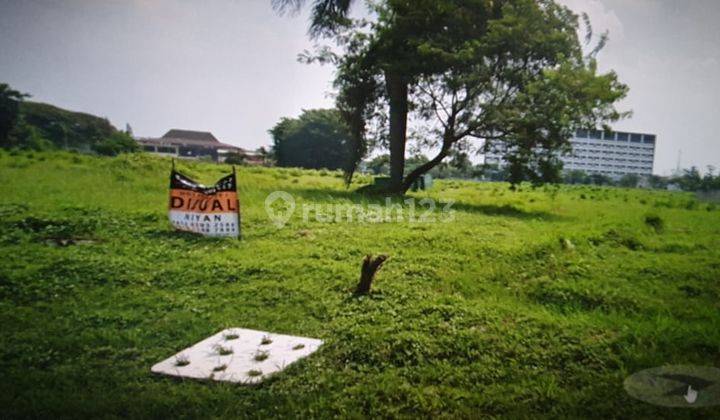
{"x": 508, "y": 71}
{"x": 9, "y": 111}
{"x": 329, "y": 18}
{"x": 504, "y": 71}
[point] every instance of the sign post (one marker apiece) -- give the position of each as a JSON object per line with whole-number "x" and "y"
{"x": 209, "y": 211}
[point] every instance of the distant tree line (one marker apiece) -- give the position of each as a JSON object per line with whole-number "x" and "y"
{"x": 687, "y": 180}
{"x": 38, "y": 126}
{"x": 461, "y": 167}
{"x": 692, "y": 180}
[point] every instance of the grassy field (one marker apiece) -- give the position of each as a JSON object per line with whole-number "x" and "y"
{"x": 531, "y": 303}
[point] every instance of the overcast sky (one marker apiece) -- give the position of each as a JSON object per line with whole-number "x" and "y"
{"x": 229, "y": 66}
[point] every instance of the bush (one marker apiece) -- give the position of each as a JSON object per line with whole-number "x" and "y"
{"x": 629, "y": 181}
{"x": 27, "y": 137}
{"x": 655, "y": 222}
{"x": 115, "y": 144}
{"x": 235, "y": 159}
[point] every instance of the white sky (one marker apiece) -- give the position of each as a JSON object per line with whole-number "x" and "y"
{"x": 229, "y": 66}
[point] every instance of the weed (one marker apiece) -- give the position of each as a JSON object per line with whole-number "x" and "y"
{"x": 254, "y": 373}
{"x": 223, "y": 351}
{"x": 219, "y": 368}
{"x": 261, "y": 356}
{"x": 265, "y": 341}
{"x": 231, "y": 336}
{"x": 566, "y": 244}
{"x": 690, "y": 291}
{"x": 655, "y": 222}
{"x": 182, "y": 360}
{"x": 619, "y": 238}
{"x": 298, "y": 346}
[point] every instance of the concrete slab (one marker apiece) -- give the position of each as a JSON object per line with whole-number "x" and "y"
{"x": 238, "y": 355}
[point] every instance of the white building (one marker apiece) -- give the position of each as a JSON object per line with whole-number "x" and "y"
{"x": 598, "y": 152}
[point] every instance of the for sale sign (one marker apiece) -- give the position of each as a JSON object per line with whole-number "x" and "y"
{"x": 210, "y": 211}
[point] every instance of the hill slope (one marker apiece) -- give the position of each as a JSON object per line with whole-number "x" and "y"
{"x": 534, "y": 303}
{"x": 66, "y": 129}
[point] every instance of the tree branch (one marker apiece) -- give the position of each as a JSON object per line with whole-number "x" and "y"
{"x": 425, "y": 167}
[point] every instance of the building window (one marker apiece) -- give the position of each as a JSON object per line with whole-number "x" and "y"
{"x": 650, "y": 139}
{"x": 596, "y": 134}
{"x": 582, "y": 134}
{"x": 622, "y": 136}
{"x": 636, "y": 138}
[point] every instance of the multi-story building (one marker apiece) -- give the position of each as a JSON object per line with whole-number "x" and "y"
{"x": 601, "y": 152}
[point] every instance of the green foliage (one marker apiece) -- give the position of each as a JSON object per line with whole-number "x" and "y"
{"x": 379, "y": 165}
{"x": 67, "y": 129}
{"x": 512, "y": 73}
{"x": 600, "y": 179}
{"x": 629, "y": 181}
{"x": 459, "y": 167}
{"x": 691, "y": 180}
{"x": 657, "y": 182}
{"x": 235, "y": 159}
{"x": 25, "y": 136}
{"x": 316, "y": 139}
{"x": 326, "y": 16}
{"x": 706, "y": 185}
{"x": 118, "y": 142}
{"x": 9, "y": 112}
{"x": 490, "y": 315}
{"x": 576, "y": 177}
{"x": 39, "y": 126}
{"x": 655, "y": 222}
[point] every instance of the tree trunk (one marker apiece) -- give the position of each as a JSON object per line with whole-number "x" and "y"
{"x": 424, "y": 168}
{"x": 370, "y": 266}
{"x": 397, "y": 91}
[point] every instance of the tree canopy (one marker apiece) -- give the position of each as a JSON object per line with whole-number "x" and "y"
{"x": 318, "y": 138}
{"x": 9, "y": 111}
{"x": 510, "y": 72}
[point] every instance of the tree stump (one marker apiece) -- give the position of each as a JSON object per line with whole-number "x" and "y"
{"x": 370, "y": 266}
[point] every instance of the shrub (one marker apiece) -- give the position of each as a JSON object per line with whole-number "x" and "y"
{"x": 618, "y": 238}
{"x": 655, "y": 222}
{"x": 115, "y": 144}
{"x": 25, "y": 136}
{"x": 235, "y": 159}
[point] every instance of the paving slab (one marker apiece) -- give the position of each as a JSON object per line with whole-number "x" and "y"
{"x": 238, "y": 355}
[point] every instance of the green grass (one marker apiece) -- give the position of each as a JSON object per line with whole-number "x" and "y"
{"x": 531, "y": 303}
